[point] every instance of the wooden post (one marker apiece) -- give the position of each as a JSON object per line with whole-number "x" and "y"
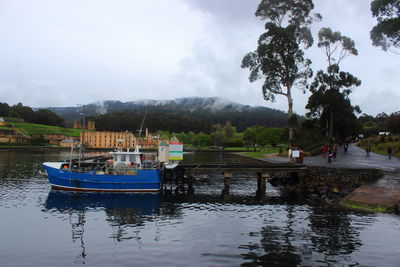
{"x": 227, "y": 183}
{"x": 189, "y": 175}
{"x": 261, "y": 184}
{"x": 227, "y": 178}
{"x": 302, "y": 175}
{"x": 190, "y": 189}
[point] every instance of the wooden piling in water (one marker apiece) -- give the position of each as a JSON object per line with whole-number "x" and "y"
{"x": 262, "y": 179}
{"x": 227, "y": 183}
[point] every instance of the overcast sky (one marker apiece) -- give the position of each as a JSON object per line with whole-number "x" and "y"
{"x": 69, "y": 52}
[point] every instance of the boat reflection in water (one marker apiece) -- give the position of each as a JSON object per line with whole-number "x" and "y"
{"x": 122, "y": 210}
{"x": 137, "y": 203}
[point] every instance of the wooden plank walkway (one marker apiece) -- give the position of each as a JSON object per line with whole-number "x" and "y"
{"x": 256, "y": 167}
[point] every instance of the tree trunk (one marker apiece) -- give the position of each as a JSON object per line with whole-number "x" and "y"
{"x": 331, "y": 123}
{"x": 326, "y": 132}
{"x": 290, "y": 113}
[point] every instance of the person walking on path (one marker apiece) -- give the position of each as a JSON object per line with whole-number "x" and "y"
{"x": 368, "y": 150}
{"x": 346, "y": 147}
{"x": 334, "y": 152}
{"x": 330, "y": 154}
{"x": 389, "y": 151}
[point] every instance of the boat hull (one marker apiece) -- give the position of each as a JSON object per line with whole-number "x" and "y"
{"x": 143, "y": 181}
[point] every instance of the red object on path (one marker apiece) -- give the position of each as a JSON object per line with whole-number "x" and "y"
{"x": 324, "y": 150}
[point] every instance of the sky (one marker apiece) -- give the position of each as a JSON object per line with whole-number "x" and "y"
{"x": 73, "y": 52}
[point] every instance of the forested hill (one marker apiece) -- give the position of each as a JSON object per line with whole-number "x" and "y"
{"x": 183, "y": 114}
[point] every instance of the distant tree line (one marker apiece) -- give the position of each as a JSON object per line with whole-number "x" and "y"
{"x": 131, "y": 121}
{"x": 242, "y": 118}
{"x": 41, "y": 116}
{"x": 227, "y": 136}
{"x": 371, "y": 126}
{"x": 308, "y": 133}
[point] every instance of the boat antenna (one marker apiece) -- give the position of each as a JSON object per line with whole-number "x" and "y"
{"x": 82, "y": 110}
{"x": 82, "y": 146}
{"x": 144, "y": 118}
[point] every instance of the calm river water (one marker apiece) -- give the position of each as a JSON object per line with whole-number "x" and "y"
{"x": 41, "y": 227}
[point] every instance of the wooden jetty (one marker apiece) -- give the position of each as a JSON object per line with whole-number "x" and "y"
{"x": 262, "y": 170}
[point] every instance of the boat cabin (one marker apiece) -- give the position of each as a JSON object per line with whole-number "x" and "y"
{"x": 127, "y": 157}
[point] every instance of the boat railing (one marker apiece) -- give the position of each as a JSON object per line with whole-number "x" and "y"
{"x": 119, "y": 169}
{"x": 149, "y": 165}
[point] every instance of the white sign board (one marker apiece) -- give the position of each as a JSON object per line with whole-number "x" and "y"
{"x": 295, "y": 153}
{"x": 175, "y": 151}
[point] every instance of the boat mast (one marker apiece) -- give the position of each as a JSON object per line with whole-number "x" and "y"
{"x": 83, "y": 118}
{"x": 144, "y": 118}
{"x": 70, "y": 156}
{"x": 140, "y": 130}
{"x": 81, "y": 145}
{"x": 80, "y": 155}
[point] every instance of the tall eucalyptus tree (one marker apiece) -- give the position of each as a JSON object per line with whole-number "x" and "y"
{"x": 279, "y": 57}
{"x": 330, "y": 90}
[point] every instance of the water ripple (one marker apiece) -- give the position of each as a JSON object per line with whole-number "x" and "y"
{"x": 49, "y": 228}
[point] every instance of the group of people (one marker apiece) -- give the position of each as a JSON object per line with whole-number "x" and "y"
{"x": 329, "y": 151}
{"x": 388, "y": 151}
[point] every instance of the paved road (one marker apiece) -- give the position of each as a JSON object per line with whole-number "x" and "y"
{"x": 354, "y": 158}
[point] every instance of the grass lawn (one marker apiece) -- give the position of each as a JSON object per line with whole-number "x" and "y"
{"x": 269, "y": 150}
{"x": 237, "y": 148}
{"x": 39, "y": 129}
{"x": 259, "y": 154}
{"x": 5, "y": 128}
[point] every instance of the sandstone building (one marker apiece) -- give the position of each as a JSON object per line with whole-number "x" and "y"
{"x": 108, "y": 139}
{"x": 124, "y": 140}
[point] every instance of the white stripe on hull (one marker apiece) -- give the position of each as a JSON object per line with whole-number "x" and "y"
{"x": 108, "y": 190}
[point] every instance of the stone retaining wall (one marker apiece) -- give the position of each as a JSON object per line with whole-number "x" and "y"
{"x": 330, "y": 184}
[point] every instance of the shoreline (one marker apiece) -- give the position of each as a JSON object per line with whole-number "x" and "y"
{"x": 362, "y": 197}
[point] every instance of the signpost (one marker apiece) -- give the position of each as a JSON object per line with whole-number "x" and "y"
{"x": 175, "y": 151}
{"x": 295, "y": 153}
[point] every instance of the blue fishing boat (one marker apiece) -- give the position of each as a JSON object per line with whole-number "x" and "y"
{"x": 127, "y": 171}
